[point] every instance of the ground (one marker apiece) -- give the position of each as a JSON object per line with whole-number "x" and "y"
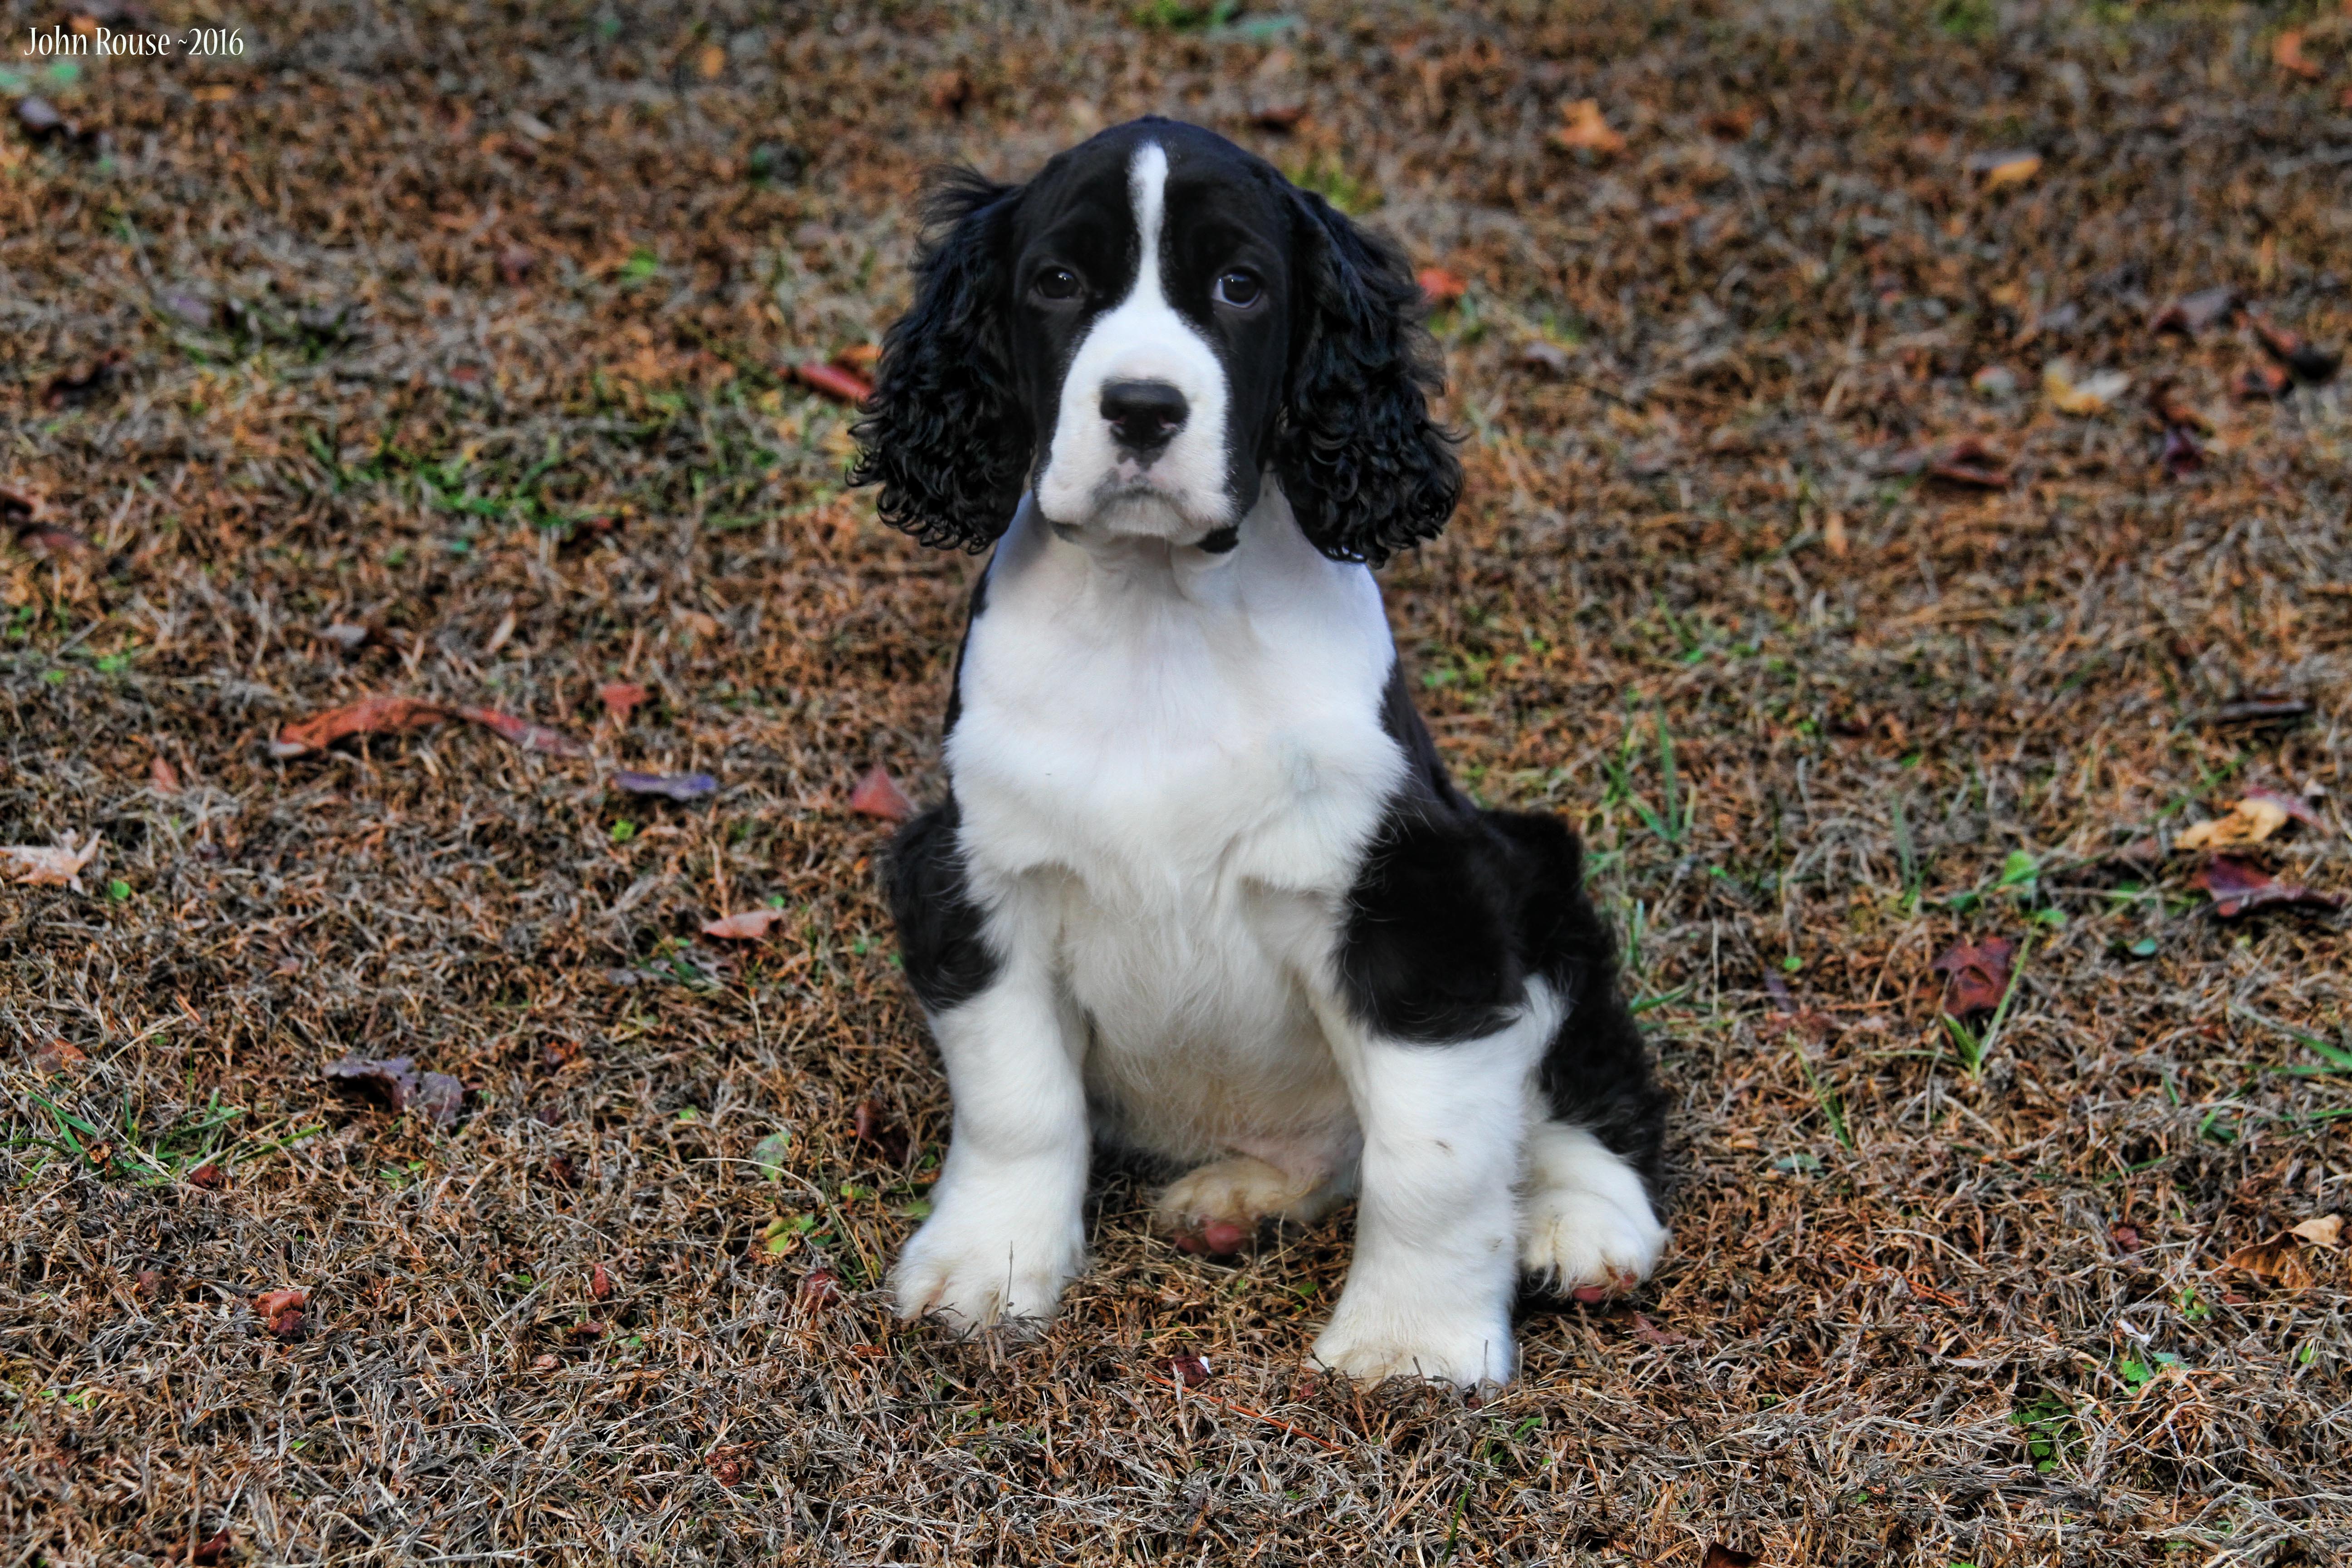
{"x": 456, "y": 364}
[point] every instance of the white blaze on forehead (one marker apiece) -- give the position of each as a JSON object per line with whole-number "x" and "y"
{"x": 1087, "y": 480}
{"x": 1147, "y": 184}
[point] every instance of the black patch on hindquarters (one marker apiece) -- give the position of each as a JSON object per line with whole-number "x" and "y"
{"x": 939, "y": 925}
{"x": 1456, "y": 907}
{"x": 955, "y": 679}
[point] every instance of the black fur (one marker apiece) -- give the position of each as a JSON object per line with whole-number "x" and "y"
{"x": 1330, "y": 389}
{"x": 939, "y": 925}
{"x": 945, "y": 434}
{"x": 1366, "y": 471}
{"x": 1456, "y": 907}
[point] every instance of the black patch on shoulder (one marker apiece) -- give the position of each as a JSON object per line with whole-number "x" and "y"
{"x": 1456, "y": 907}
{"x": 1219, "y": 541}
{"x": 938, "y": 926}
{"x": 955, "y": 679}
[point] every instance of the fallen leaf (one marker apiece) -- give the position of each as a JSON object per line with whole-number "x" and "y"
{"x": 600, "y": 1284}
{"x": 2278, "y": 1260}
{"x": 2328, "y": 1230}
{"x": 522, "y": 733}
{"x": 281, "y": 1311}
{"x": 562, "y": 1170}
{"x": 2192, "y": 313}
{"x": 834, "y": 382}
{"x": 545, "y": 1363}
{"x": 949, "y": 91}
{"x": 819, "y": 1288}
{"x": 1731, "y": 124}
{"x": 1440, "y": 288}
{"x": 2182, "y": 457}
{"x": 2306, "y": 360}
{"x": 2014, "y": 167}
{"x": 871, "y": 1123}
{"x": 163, "y": 777}
{"x": 209, "y": 1176}
{"x": 1971, "y": 462}
{"x": 2262, "y": 384}
{"x": 59, "y": 1057}
{"x": 584, "y": 1332}
{"x": 394, "y": 1084}
{"x": 1719, "y": 1555}
{"x": 368, "y": 715}
{"x": 1279, "y": 118}
{"x": 100, "y": 1155}
{"x": 2236, "y": 887}
{"x": 1975, "y": 977}
{"x": 1586, "y": 129}
{"x": 878, "y": 794}
{"x": 85, "y": 384}
{"x": 1649, "y": 1333}
{"x": 731, "y": 1467}
{"x": 2126, "y": 1237}
{"x": 2250, "y": 821}
{"x": 2286, "y": 53}
{"x": 40, "y": 118}
{"x": 750, "y": 925}
{"x": 671, "y": 786}
{"x": 201, "y": 1554}
{"x": 621, "y": 698}
{"x": 2089, "y": 395}
{"x": 39, "y": 866}
{"x": 148, "y": 1283}
{"x": 1190, "y": 1368}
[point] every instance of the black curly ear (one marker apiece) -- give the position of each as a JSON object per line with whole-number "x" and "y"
{"x": 1365, "y": 470}
{"x": 944, "y": 434}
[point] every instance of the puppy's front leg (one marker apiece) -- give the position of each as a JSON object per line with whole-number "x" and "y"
{"x": 1007, "y": 1226}
{"x": 1429, "y": 1293}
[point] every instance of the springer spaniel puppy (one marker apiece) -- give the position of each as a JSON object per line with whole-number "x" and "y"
{"x": 1202, "y": 888}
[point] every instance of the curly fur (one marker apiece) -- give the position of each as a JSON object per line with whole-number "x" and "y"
{"x": 1365, "y": 468}
{"x": 944, "y": 434}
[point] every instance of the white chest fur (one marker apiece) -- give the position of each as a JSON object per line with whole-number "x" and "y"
{"x": 1175, "y": 761}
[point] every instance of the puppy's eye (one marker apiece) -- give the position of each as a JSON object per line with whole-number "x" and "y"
{"x": 1056, "y": 283}
{"x": 1239, "y": 288}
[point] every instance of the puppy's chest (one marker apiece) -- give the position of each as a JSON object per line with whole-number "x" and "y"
{"x": 1173, "y": 757}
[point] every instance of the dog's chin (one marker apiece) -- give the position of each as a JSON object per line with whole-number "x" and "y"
{"x": 1144, "y": 511}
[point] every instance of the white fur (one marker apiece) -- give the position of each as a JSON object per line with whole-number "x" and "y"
{"x": 1429, "y": 1293}
{"x": 1086, "y": 479}
{"x": 1587, "y": 1219}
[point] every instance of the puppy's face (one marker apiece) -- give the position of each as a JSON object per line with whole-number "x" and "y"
{"x": 1150, "y": 276}
{"x": 1141, "y": 335}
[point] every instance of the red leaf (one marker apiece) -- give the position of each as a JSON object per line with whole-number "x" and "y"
{"x": 163, "y": 777}
{"x": 522, "y": 733}
{"x": 281, "y": 1313}
{"x": 1190, "y": 1368}
{"x": 394, "y": 1084}
{"x": 834, "y": 382}
{"x": 1441, "y": 288}
{"x": 208, "y": 1176}
{"x": 368, "y": 715}
{"x": 1976, "y": 978}
{"x": 2126, "y": 1237}
{"x": 600, "y": 1284}
{"x": 2235, "y": 886}
{"x": 751, "y": 925}
{"x": 819, "y": 1288}
{"x": 200, "y": 1553}
{"x": 872, "y": 1124}
{"x": 1649, "y": 1333}
{"x": 1719, "y": 1555}
{"x": 620, "y": 698}
{"x": 1971, "y": 462}
{"x": 878, "y": 794}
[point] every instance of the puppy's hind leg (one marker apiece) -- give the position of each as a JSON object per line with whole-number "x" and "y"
{"x": 1216, "y": 1208}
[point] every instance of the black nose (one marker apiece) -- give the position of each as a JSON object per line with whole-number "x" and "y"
{"x": 1143, "y": 414}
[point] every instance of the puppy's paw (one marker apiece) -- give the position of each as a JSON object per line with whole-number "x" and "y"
{"x": 1464, "y": 1347}
{"x": 1216, "y": 1208}
{"x": 977, "y": 1271}
{"x": 1586, "y": 1230}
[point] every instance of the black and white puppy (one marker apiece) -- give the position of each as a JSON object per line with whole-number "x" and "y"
{"x": 1202, "y": 888}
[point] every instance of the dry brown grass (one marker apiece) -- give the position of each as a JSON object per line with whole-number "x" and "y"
{"x": 1912, "y": 1314}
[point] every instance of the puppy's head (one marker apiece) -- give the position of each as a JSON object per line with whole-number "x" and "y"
{"x": 1141, "y": 334}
